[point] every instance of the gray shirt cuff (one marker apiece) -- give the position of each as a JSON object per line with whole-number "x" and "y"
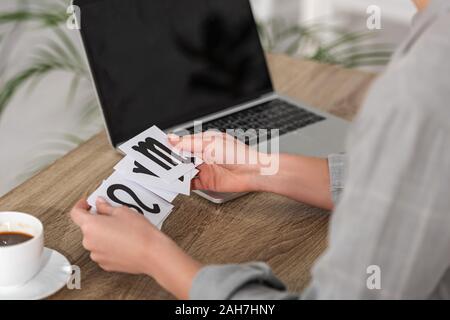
{"x": 246, "y": 281}
{"x": 337, "y": 165}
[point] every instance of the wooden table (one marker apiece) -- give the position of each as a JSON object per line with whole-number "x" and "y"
{"x": 264, "y": 227}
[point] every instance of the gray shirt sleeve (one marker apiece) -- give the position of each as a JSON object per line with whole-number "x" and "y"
{"x": 393, "y": 215}
{"x": 247, "y": 281}
{"x": 256, "y": 280}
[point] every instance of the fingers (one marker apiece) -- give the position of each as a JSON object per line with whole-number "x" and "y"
{"x": 82, "y": 204}
{"x": 203, "y": 180}
{"x": 187, "y": 143}
{"x": 195, "y": 143}
{"x": 80, "y": 214}
{"x": 103, "y": 207}
{"x": 196, "y": 184}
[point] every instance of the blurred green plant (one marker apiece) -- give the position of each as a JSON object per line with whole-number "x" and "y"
{"x": 56, "y": 53}
{"x": 45, "y": 13}
{"x": 53, "y": 55}
{"x": 324, "y": 43}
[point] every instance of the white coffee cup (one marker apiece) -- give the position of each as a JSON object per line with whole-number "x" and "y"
{"x": 19, "y": 263}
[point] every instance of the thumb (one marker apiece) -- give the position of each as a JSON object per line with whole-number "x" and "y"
{"x": 103, "y": 207}
{"x": 79, "y": 213}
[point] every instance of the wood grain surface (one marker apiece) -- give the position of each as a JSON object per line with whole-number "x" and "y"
{"x": 289, "y": 236}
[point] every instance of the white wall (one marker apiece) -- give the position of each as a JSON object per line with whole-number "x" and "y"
{"x": 267, "y": 9}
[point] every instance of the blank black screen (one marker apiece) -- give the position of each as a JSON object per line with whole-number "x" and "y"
{"x": 166, "y": 62}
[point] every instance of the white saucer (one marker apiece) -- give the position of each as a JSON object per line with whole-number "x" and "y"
{"x": 54, "y": 275}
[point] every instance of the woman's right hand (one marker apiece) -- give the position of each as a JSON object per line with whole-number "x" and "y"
{"x": 229, "y": 165}
{"x": 232, "y": 166}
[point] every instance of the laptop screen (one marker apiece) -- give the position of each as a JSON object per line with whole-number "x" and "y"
{"x": 167, "y": 62}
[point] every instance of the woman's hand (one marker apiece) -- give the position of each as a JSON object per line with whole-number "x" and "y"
{"x": 229, "y": 165}
{"x": 122, "y": 240}
{"x": 232, "y": 166}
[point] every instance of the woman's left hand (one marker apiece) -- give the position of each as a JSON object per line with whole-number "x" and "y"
{"x": 122, "y": 240}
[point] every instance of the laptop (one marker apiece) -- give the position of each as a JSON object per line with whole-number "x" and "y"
{"x": 171, "y": 63}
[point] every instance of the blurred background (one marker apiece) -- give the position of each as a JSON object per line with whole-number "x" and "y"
{"x": 47, "y": 104}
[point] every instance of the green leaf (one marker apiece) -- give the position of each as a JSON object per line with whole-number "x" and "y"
{"x": 73, "y": 88}
{"x": 14, "y": 84}
{"x": 307, "y": 40}
{"x": 44, "y": 13}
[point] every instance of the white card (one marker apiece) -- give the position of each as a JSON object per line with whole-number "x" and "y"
{"x": 159, "y": 226}
{"x": 119, "y": 191}
{"x": 152, "y": 150}
{"x": 136, "y": 172}
{"x": 169, "y": 196}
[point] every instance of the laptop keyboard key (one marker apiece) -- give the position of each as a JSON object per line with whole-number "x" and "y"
{"x": 275, "y": 114}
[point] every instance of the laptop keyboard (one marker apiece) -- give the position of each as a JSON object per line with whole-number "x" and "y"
{"x": 275, "y": 114}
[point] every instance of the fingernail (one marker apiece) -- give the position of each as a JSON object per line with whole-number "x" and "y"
{"x": 101, "y": 200}
{"x": 173, "y": 136}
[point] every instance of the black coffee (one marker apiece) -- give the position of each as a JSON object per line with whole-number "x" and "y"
{"x": 12, "y": 238}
